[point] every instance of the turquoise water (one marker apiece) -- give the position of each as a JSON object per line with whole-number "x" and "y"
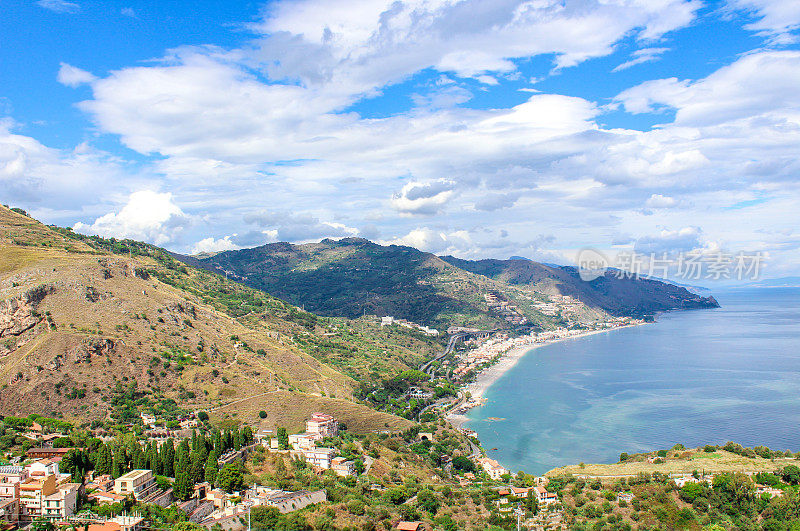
{"x": 694, "y": 377}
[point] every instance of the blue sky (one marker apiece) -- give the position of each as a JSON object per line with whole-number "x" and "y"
{"x": 474, "y": 128}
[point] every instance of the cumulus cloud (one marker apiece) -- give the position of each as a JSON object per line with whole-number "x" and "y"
{"x": 44, "y": 177}
{"x": 72, "y": 76}
{"x": 148, "y": 215}
{"x": 211, "y": 245}
{"x": 423, "y": 198}
{"x": 434, "y": 241}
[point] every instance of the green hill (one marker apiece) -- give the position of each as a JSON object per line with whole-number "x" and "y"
{"x": 353, "y": 276}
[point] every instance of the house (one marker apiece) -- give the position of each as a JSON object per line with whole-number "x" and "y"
{"x": 45, "y": 467}
{"x": 545, "y": 497}
{"x": 321, "y": 457}
{"x": 140, "y": 483}
{"x": 343, "y": 467}
{"x": 322, "y": 424}
{"x": 39, "y": 453}
{"x": 492, "y": 467}
{"x": 188, "y": 424}
{"x": 520, "y": 492}
{"x": 304, "y": 441}
{"x": 386, "y": 321}
{"x": 263, "y": 436}
{"x": 148, "y": 419}
{"x": 419, "y": 394}
{"x": 9, "y": 512}
{"x": 627, "y": 497}
{"x": 409, "y": 526}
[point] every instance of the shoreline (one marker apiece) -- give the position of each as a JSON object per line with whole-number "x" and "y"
{"x": 487, "y": 377}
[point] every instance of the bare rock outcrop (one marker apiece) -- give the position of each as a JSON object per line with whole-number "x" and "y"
{"x": 18, "y": 314}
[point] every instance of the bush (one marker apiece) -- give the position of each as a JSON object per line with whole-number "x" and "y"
{"x": 202, "y": 416}
{"x": 262, "y": 414}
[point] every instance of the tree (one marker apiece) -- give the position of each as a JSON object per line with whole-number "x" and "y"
{"x": 187, "y": 526}
{"x": 623, "y": 457}
{"x": 231, "y": 477}
{"x": 212, "y": 468}
{"x": 202, "y": 416}
{"x": 283, "y": 439}
{"x": 103, "y": 461}
{"x": 168, "y": 458}
{"x": 262, "y": 414}
{"x": 791, "y": 474}
{"x": 183, "y": 486}
{"x": 118, "y": 463}
{"x": 463, "y": 463}
{"x": 428, "y": 501}
{"x": 532, "y": 502}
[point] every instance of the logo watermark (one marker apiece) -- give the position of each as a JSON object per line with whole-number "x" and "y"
{"x": 692, "y": 265}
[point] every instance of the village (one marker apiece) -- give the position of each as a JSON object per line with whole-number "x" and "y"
{"x": 482, "y": 352}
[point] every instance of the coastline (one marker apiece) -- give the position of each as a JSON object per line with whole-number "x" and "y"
{"x": 487, "y": 377}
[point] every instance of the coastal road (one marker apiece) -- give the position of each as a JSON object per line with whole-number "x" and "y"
{"x": 427, "y": 366}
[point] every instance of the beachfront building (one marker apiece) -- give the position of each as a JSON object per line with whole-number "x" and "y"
{"x": 493, "y": 468}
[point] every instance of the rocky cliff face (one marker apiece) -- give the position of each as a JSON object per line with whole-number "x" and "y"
{"x": 18, "y": 314}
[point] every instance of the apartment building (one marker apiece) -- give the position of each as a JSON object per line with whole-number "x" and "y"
{"x": 140, "y": 483}
{"x": 322, "y": 424}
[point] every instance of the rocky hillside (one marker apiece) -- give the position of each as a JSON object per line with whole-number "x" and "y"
{"x": 92, "y": 327}
{"x": 353, "y": 276}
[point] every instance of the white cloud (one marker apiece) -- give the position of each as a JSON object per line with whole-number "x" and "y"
{"x": 59, "y": 6}
{"x": 148, "y": 215}
{"x": 72, "y": 76}
{"x": 758, "y": 83}
{"x": 210, "y": 245}
{"x": 777, "y": 19}
{"x": 433, "y": 241}
{"x": 660, "y": 201}
{"x": 643, "y": 55}
{"x": 423, "y": 198}
{"x": 128, "y": 12}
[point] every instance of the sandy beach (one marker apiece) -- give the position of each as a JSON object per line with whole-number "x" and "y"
{"x": 491, "y": 374}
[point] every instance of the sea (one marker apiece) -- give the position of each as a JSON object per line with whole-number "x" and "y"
{"x": 693, "y": 377}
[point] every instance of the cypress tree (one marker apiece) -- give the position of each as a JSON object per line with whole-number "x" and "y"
{"x": 182, "y": 487}
{"x": 103, "y": 463}
{"x": 168, "y": 458}
{"x": 118, "y": 463}
{"x": 212, "y": 467}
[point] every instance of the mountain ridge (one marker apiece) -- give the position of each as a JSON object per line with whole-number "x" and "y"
{"x": 351, "y": 276}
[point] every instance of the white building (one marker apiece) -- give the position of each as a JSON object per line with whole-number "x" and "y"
{"x": 322, "y": 424}
{"x": 321, "y": 457}
{"x": 493, "y": 468}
